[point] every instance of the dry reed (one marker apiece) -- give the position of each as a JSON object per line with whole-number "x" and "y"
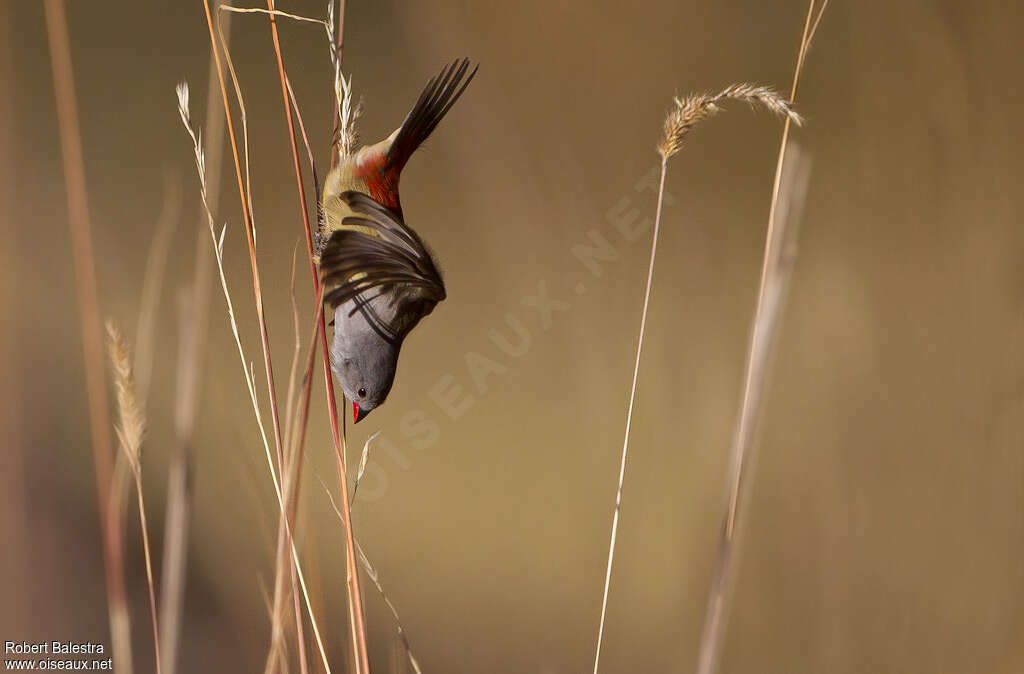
{"x": 83, "y": 261}
{"x": 218, "y": 244}
{"x": 192, "y": 330}
{"x": 684, "y": 115}
{"x": 775, "y": 270}
{"x": 371, "y": 572}
{"x": 347, "y": 113}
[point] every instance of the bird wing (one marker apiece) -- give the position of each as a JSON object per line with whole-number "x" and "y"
{"x": 376, "y": 250}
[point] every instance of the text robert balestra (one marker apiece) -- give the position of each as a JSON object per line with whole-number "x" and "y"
{"x": 52, "y": 647}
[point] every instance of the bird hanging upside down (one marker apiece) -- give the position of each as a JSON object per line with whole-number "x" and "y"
{"x": 379, "y": 277}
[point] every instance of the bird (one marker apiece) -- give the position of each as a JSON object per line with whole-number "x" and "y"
{"x": 379, "y": 277}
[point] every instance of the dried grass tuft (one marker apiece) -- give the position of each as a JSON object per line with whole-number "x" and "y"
{"x": 687, "y": 112}
{"x": 348, "y": 113}
{"x": 132, "y": 426}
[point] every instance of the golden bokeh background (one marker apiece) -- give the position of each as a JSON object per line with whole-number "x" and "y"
{"x": 885, "y": 524}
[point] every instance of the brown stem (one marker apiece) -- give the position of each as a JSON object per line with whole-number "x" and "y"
{"x": 149, "y": 569}
{"x": 761, "y": 337}
{"x": 92, "y": 341}
{"x": 192, "y": 339}
{"x": 355, "y": 603}
{"x": 251, "y": 240}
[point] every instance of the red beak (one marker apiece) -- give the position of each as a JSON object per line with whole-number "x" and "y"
{"x": 357, "y": 412}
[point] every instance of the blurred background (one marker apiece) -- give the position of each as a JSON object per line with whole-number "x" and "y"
{"x": 885, "y": 521}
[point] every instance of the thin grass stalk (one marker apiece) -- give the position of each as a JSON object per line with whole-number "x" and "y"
{"x": 356, "y": 615}
{"x": 629, "y": 416}
{"x": 137, "y": 374}
{"x": 685, "y": 114}
{"x": 357, "y": 618}
{"x": 191, "y": 347}
{"x": 289, "y": 417}
{"x": 347, "y": 114}
{"x": 277, "y": 633}
{"x": 149, "y": 569}
{"x": 14, "y": 521}
{"x": 305, "y": 217}
{"x": 339, "y": 42}
{"x": 374, "y": 577}
{"x": 293, "y": 474}
{"x": 285, "y": 520}
{"x": 152, "y": 285}
{"x": 243, "y": 193}
{"x": 293, "y": 454}
{"x": 130, "y": 432}
{"x": 83, "y": 261}
{"x": 757, "y": 353}
{"x": 246, "y": 370}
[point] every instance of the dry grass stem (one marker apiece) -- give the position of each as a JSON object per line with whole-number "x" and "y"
{"x": 83, "y": 262}
{"x": 345, "y": 113}
{"x": 374, "y": 577}
{"x": 218, "y": 246}
{"x": 684, "y": 115}
{"x": 291, "y": 481}
{"x": 193, "y": 311}
{"x": 289, "y": 417}
{"x": 130, "y": 431}
{"x": 775, "y": 270}
{"x": 356, "y": 616}
{"x": 629, "y": 421}
{"x": 362, "y": 464}
{"x": 245, "y": 196}
{"x": 355, "y": 603}
{"x": 152, "y": 284}
{"x": 348, "y": 114}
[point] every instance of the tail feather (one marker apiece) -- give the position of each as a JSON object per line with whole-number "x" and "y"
{"x": 433, "y": 104}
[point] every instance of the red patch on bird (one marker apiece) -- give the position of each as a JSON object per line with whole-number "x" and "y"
{"x": 384, "y": 189}
{"x": 381, "y": 179}
{"x": 355, "y": 411}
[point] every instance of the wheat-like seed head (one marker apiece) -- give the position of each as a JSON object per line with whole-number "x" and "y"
{"x": 133, "y": 423}
{"x": 687, "y": 112}
{"x": 348, "y": 113}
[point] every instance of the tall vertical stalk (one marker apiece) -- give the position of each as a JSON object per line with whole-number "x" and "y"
{"x": 355, "y": 601}
{"x": 684, "y": 115}
{"x": 83, "y": 261}
{"x": 191, "y": 346}
{"x": 762, "y": 334}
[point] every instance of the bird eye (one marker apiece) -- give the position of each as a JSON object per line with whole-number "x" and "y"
{"x": 362, "y": 393}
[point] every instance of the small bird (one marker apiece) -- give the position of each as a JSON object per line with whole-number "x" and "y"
{"x": 380, "y": 278}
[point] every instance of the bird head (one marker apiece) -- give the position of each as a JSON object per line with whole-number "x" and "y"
{"x": 365, "y": 364}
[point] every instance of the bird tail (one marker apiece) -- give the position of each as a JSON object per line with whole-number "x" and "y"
{"x": 433, "y": 104}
